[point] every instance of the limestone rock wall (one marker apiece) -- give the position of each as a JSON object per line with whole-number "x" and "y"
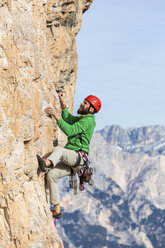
{"x": 38, "y": 58}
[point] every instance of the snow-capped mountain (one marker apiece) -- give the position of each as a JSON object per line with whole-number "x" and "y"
{"x": 126, "y": 206}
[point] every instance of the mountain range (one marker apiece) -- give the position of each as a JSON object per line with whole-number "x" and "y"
{"x": 126, "y": 206}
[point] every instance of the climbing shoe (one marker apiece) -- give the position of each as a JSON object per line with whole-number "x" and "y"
{"x": 42, "y": 164}
{"x": 55, "y": 214}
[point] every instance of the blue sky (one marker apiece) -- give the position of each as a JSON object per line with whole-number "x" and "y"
{"x": 121, "y": 56}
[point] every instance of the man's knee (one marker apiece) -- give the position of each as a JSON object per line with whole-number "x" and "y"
{"x": 51, "y": 175}
{"x": 58, "y": 149}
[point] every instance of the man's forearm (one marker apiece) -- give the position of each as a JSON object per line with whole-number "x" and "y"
{"x": 56, "y": 117}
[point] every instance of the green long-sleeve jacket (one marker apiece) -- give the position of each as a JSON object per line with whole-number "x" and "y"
{"x": 72, "y": 126}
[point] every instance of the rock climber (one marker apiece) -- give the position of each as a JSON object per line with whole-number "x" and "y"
{"x": 63, "y": 161}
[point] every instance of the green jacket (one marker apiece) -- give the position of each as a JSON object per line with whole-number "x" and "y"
{"x": 72, "y": 126}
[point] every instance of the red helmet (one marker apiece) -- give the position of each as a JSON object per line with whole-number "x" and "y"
{"x": 95, "y": 101}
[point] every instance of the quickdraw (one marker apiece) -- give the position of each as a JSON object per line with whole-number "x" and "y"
{"x": 85, "y": 174}
{"x": 73, "y": 182}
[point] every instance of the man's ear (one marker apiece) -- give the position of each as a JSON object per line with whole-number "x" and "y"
{"x": 91, "y": 110}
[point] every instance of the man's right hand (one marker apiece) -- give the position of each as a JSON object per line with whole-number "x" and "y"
{"x": 61, "y": 97}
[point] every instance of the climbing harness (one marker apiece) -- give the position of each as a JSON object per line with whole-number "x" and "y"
{"x": 85, "y": 174}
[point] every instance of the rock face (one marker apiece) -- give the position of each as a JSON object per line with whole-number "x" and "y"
{"x": 126, "y": 207}
{"x": 38, "y": 59}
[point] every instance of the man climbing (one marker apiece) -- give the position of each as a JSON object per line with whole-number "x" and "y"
{"x": 79, "y": 130}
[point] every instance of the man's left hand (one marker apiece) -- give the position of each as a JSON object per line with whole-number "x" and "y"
{"x": 52, "y": 111}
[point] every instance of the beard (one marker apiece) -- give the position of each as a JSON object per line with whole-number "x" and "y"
{"x": 82, "y": 111}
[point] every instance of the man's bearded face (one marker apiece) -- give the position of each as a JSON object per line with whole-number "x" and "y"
{"x": 84, "y": 108}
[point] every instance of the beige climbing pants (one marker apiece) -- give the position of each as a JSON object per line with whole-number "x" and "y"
{"x": 62, "y": 160}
